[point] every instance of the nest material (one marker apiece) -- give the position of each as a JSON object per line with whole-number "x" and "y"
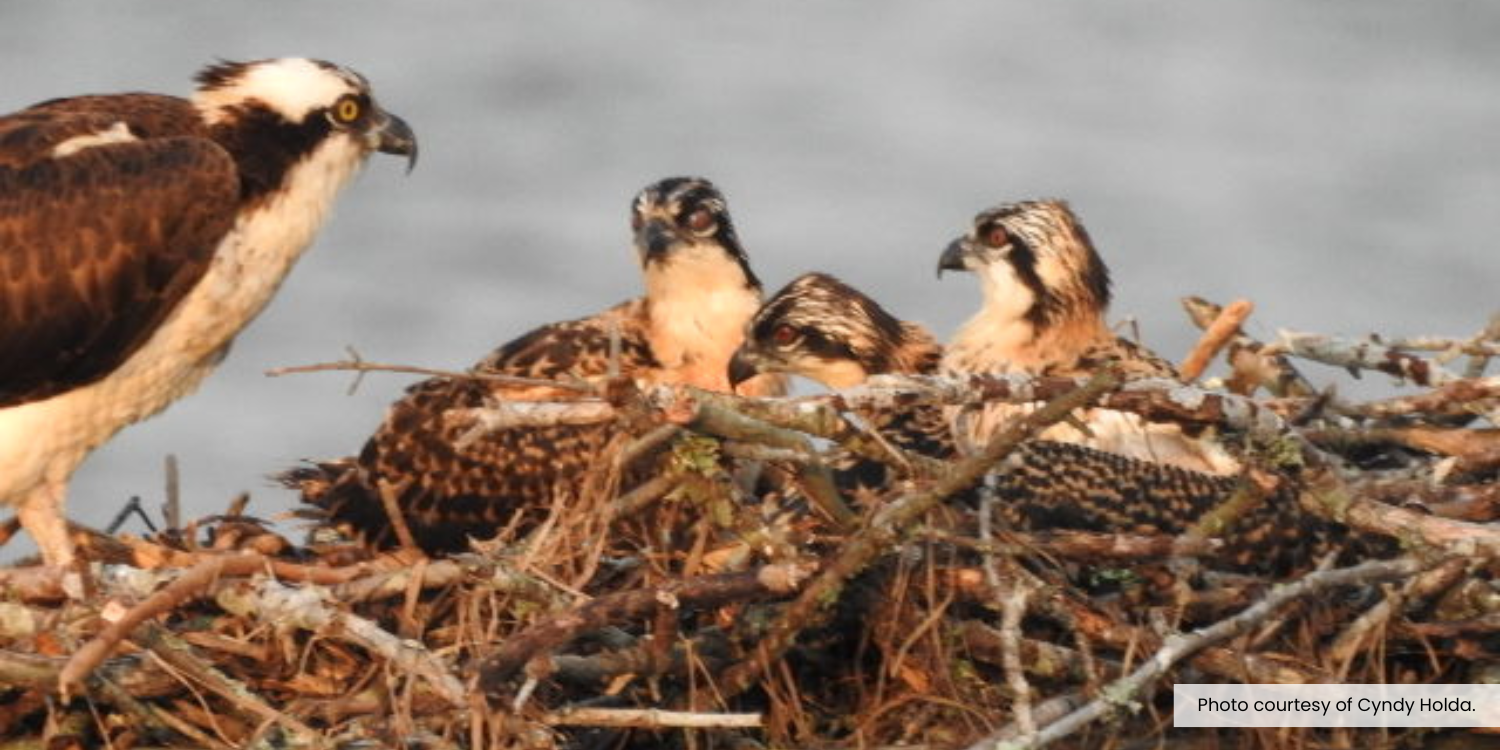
{"x": 705, "y": 608}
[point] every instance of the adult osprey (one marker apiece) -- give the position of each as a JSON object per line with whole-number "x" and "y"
{"x": 1046, "y": 291}
{"x": 139, "y": 233}
{"x": 452, "y": 482}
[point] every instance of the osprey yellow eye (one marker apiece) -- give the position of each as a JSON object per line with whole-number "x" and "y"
{"x": 346, "y": 110}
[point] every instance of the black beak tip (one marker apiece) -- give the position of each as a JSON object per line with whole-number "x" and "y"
{"x": 952, "y": 258}
{"x": 397, "y": 138}
{"x": 654, "y": 240}
{"x": 741, "y": 368}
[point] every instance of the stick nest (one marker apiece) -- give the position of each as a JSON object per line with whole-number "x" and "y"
{"x": 698, "y": 604}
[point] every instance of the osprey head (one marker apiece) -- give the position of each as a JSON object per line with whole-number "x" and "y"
{"x": 683, "y": 220}
{"x": 825, "y": 330}
{"x": 293, "y": 102}
{"x": 1035, "y": 261}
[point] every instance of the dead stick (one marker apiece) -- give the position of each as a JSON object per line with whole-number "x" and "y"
{"x": 649, "y": 718}
{"x": 1325, "y": 494}
{"x": 1092, "y": 545}
{"x": 193, "y": 583}
{"x": 1177, "y": 647}
{"x": 359, "y": 365}
{"x": 1045, "y": 659}
{"x": 390, "y": 501}
{"x": 305, "y": 608}
{"x": 1215, "y": 338}
{"x": 1252, "y": 365}
{"x": 1460, "y": 397}
{"x": 1012, "y": 609}
{"x": 645, "y": 495}
{"x": 173, "y": 508}
{"x": 179, "y": 655}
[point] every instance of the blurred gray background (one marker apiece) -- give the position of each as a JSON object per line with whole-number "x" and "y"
{"x": 1335, "y": 162}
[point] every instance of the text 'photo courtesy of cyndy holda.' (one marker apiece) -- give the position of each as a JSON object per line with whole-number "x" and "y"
{"x": 1446, "y": 705}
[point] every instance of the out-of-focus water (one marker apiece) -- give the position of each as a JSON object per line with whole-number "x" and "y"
{"x": 1338, "y": 163}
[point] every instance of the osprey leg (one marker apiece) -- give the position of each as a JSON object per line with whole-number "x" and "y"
{"x": 41, "y": 515}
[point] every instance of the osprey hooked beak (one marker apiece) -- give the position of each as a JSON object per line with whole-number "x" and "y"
{"x": 955, "y": 257}
{"x": 654, "y": 239}
{"x": 745, "y": 364}
{"x": 391, "y": 135}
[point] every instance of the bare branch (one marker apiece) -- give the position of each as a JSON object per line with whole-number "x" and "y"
{"x": 1364, "y": 355}
{"x": 649, "y": 718}
{"x": 1123, "y": 693}
{"x": 1224, "y": 328}
{"x": 361, "y": 366}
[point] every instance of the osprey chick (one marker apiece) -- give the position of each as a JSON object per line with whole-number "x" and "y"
{"x": 1046, "y": 292}
{"x": 451, "y": 484}
{"x": 139, "y": 233}
{"x": 820, "y": 328}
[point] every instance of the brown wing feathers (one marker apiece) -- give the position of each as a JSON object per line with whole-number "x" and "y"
{"x": 85, "y": 275}
{"x": 577, "y": 348}
{"x": 29, "y": 136}
{"x": 451, "y": 488}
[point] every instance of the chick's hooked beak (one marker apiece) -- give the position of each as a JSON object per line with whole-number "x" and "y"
{"x": 955, "y": 257}
{"x": 743, "y": 366}
{"x": 391, "y": 135}
{"x": 654, "y": 239}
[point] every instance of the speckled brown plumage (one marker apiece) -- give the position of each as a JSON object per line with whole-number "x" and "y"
{"x": 450, "y": 490}
{"x": 1045, "y": 297}
{"x": 451, "y": 484}
{"x": 818, "y": 325}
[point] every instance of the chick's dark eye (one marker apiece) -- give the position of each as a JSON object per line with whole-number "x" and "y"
{"x": 701, "y": 221}
{"x": 783, "y": 335}
{"x": 636, "y": 222}
{"x": 996, "y": 236}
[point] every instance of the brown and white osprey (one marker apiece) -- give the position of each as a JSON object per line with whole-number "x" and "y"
{"x": 139, "y": 233}
{"x": 451, "y": 485}
{"x": 1046, "y": 292}
{"x": 823, "y": 329}
{"x": 820, "y": 328}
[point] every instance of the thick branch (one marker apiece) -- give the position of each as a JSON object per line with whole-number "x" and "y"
{"x": 1224, "y": 327}
{"x": 1364, "y": 355}
{"x": 1252, "y": 365}
{"x": 1327, "y": 495}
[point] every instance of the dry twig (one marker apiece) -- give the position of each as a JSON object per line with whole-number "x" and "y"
{"x": 1123, "y": 693}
